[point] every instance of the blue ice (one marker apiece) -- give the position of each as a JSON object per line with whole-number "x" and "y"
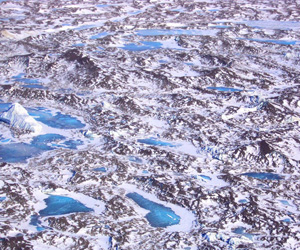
{"x": 59, "y": 120}
{"x": 284, "y": 202}
{"x": 205, "y": 177}
{"x": 135, "y": 159}
{"x": 99, "y": 35}
{"x": 34, "y": 86}
{"x": 85, "y": 27}
{"x": 35, "y": 221}
{"x": 264, "y": 176}
{"x": 225, "y": 89}
{"x": 135, "y": 12}
{"x": 102, "y": 5}
{"x": 280, "y": 42}
{"x": 156, "y": 142}
{"x": 159, "y": 216}
{"x": 58, "y": 205}
{"x": 17, "y": 152}
{"x": 4, "y": 140}
{"x": 19, "y": 76}
{"x": 101, "y": 169}
{"x": 288, "y": 220}
{"x": 79, "y": 45}
{"x": 4, "y": 106}
{"x": 221, "y": 26}
{"x": 272, "y": 24}
{"x": 27, "y": 80}
{"x": 71, "y": 144}
{"x": 147, "y": 45}
{"x": 20, "y": 152}
{"x": 167, "y": 32}
{"x": 241, "y": 231}
{"x": 2, "y": 198}
{"x": 243, "y": 201}
{"x": 42, "y": 141}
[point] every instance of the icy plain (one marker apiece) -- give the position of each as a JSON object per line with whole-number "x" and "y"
{"x": 149, "y": 124}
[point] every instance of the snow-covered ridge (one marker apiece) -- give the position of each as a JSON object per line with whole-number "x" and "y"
{"x": 18, "y": 117}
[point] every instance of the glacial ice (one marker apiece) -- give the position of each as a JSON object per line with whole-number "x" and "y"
{"x": 18, "y": 117}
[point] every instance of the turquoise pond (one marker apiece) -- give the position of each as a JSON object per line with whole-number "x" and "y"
{"x": 159, "y": 215}
{"x": 59, "y": 205}
{"x": 264, "y": 176}
{"x": 156, "y": 142}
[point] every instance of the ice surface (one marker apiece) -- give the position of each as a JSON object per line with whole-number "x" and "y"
{"x": 59, "y": 120}
{"x": 130, "y": 79}
{"x": 4, "y": 106}
{"x": 20, "y": 152}
{"x": 146, "y": 45}
{"x": 165, "y": 32}
{"x": 17, "y": 152}
{"x": 101, "y": 169}
{"x": 135, "y": 159}
{"x": 225, "y": 89}
{"x": 99, "y": 35}
{"x": 264, "y": 176}
{"x": 280, "y": 42}
{"x": 241, "y": 231}
{"x": 156, "y": 142}
{"x": 18, "y": 117}
{"x": 59, "y": 205}
{"x": 159, "y": 216}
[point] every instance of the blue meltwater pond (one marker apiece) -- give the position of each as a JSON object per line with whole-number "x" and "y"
{"x": 264, "y": 176}
{"x": 156, "y": 142}
{"x": 225, "y": 89}
{"x": 59, "y": 120}
{"x": 159, "y": 216}
{"x": 20, "y": 152}
{"x": 58, "y": 205}
{"x": 146, "y": 45}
